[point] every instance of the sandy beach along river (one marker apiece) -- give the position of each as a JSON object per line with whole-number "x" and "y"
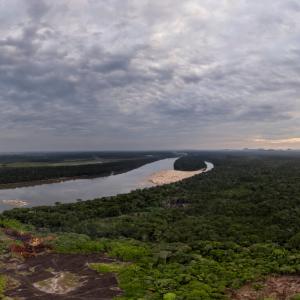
{"x": 170, "y": 176}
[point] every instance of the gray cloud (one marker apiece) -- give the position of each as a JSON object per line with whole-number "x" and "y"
{"x": 36, "y": 9}
{"x": 148, "y": 74}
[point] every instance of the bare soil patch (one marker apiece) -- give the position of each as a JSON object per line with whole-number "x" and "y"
{"x": 275, "y": 288}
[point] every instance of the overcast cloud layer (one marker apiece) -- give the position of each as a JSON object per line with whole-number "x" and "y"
{"x": 159, "y": 74}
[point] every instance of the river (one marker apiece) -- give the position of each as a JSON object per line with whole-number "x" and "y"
{"x": 84, "y": 189}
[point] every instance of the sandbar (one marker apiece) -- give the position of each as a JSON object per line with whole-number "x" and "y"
{"x": 17, "y": 203}
{"x": 170, "y": 176}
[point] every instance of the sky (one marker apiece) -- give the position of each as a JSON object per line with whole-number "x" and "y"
{"x": 156, "y": 74}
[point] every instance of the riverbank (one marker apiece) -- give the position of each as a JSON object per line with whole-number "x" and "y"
{"x": 36, "y": 182}
{"x": 48, "y": 181}
{"x": 171, "y": 176}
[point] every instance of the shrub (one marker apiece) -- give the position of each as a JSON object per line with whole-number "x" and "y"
{"x": 169, "y": 296}
{"x": 77, "y": 243}
{"x": 16, "y": 225}
{"x": 128, "y": 251}
{"x": 294, "y": 242}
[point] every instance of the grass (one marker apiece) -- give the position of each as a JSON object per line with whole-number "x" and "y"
{"x": 2, "y": 286}
{"x": 108, "y": 267}
{"x": 78, "y": 162}
{"x": 15, "y": 225}
{"x": 50, "y": 164}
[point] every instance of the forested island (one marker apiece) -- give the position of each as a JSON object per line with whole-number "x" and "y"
{"x": 231, "y": 233}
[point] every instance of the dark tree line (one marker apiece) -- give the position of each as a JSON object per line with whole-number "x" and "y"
{"x": 12, "y": 175}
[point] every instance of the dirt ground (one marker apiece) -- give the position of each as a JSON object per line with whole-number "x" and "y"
{"x": 29, "y": 274}
{"x": 275, "y": 288}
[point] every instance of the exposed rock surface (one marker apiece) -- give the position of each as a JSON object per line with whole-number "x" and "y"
{"x": 59, "y": 277}
{"x": 275, "y": 288}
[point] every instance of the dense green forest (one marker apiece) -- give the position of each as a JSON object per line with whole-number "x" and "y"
{"x": 189, "y": 163}
{"x": 196, "y": 239}
{"x": 22, "y": 174}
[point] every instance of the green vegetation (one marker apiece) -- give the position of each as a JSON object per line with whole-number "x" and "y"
{"x": 22, "y": 170}
{"x": 240, "y": 223}
{"x": 16, "y": 225}
{"x": 107, "y": 267}
{"x": 201, "y": 272}
{"x": 169, "y": 296}
{"x": 128, "y": 251}
{"x": 189, "y": 163}
{"x": 2, "y": 286}
{"x": 76, "y": 243}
